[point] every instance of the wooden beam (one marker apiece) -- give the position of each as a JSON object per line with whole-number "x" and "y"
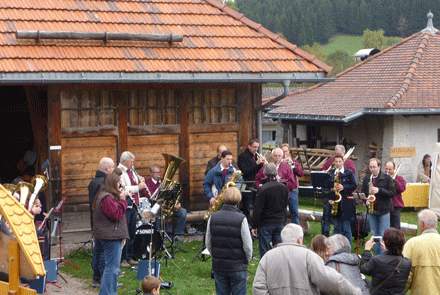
{"x": 122, "y": 123}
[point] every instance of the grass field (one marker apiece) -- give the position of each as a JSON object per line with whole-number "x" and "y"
{"x": 195, "y": 277}
{"x": 351, "y": 44}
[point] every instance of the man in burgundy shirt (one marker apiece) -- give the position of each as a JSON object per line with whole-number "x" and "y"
{"x": 400, "y": 184}
{"x": 349, "y": 164}
{"x": 134, "y": 185}
{"x": 153, "y": 186}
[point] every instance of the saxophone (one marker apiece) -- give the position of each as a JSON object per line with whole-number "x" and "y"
{"x": 338, "y": 195}
{"x": 219, "y": 198}
{"x": 371, "y": 197}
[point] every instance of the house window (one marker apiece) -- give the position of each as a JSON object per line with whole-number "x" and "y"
{"x": 212, "y": 106}
{"x": 88, "y": 108}
{"x": 152, "y": 107}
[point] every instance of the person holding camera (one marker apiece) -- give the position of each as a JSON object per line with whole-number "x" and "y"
{"x": 390, "y": 270}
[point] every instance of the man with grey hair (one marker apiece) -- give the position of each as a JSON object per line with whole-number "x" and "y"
{"x": 424, "y": 251}
{"x": 291, "y": 268}
{"x": 134, "y": 184}
{"x": 270, "y": 206}
{"x": 106, "y": 166}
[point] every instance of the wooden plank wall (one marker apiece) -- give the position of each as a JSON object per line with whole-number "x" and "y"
{"x": 148, "y": 150}
{"x": 203, "y": 148}
{"x": 80, "y": 158}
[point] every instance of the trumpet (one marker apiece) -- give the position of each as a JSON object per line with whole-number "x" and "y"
{"x": 258, "y": 155}
{"x": 371, "y": 197}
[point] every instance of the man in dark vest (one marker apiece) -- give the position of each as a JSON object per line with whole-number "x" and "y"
{"x": 106, "y": 166}
{"x": 230, "y": 244}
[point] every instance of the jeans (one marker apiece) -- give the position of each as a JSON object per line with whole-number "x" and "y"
{"x": 395, "y": 218}
{"x": 267, "y": 234}
{"x": 378, "y": 225}
{"x": 97, "y": 260}
{"x": 293, "y": 206}
{"x": 112, "y": 257}
{"x": 343, "y": 227}
{"x": 127, "y": 251}
{"x": 227, "y": 283}
{"x": 326, "y": 221}
{"x": 179, "y": 222}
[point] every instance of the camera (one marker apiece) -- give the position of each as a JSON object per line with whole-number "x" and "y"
{"x": 377, "y": 239}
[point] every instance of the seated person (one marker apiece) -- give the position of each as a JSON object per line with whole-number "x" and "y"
{"x": 151, "y": 285}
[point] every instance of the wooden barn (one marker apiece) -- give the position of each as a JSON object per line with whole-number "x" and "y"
{"x": 86, "y": 79}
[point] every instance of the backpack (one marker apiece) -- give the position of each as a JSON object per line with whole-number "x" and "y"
{"x": 360, "y": 222}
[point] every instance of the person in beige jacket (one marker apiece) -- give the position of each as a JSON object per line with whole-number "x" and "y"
{"x": 292, "y": 269}
{"x": 424, "y": 170}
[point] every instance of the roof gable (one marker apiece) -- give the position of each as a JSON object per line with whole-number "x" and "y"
{"x": 216, "y": 39}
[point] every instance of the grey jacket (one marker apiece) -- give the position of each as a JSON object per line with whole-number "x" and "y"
{"x": 292, "y": 269}
{"x": 348, "y": 267}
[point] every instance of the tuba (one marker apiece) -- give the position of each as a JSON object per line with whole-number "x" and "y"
{"x": 40, "y": 183}
{"x": 338, "y": 195}
{"x": 25, "y": 189}
{"x": 219, "y": 199}
{"x": 11, "y": 188}
{"x": 172, "y": 163}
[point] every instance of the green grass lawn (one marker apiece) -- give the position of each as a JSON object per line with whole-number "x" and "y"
{"x": 195, "y": 277}
{"x": 351, "y": 44}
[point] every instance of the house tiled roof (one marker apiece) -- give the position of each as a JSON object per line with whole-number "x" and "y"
{"x": 216, "y": 39}
{"x": 401, "y": 78}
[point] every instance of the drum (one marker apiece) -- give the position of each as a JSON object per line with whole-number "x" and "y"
{"x": 144, "y": 235}
{"x": 145, "y": 210}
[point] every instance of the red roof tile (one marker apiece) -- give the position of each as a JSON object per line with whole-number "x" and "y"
{"x": 400, "y": 77}
{"x": 215, "y": 38}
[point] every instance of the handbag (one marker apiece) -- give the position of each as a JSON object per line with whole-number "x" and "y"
{"x": 387, "y": 278}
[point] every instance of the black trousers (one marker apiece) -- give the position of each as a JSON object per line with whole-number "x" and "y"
{"x": 395, "y": 217}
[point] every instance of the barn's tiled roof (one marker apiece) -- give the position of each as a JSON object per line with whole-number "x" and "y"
{"x": 216, "y": 39}
{"x": 402, "y": 77}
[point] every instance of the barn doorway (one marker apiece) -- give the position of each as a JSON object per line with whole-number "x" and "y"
{"x": 23, "y": 117}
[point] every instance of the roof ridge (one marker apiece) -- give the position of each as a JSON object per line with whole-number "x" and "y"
{"x": 377, "y": 54}
{"x": 259, "y": 28}
{"x": 410, "y": 73}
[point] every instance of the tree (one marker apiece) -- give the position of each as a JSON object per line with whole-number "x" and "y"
{"x": 340, "y": 60}
{"x": 374, "y": 39}
{"x": 402, "y": 27}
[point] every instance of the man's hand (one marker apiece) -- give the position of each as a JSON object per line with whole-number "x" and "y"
{"x": 142, "y": 185}
{"x": 374, "y": 190}
{"x": 212, "y": 201}
{"x": 254, "y": 232}
{"x": 339, "y": 187}
{"x": 261, "y": 159}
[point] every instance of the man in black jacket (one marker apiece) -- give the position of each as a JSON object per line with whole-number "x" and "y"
{"x": 380, "y": 185}
{"x": 249, "y": 165}
{"x": 270, "y": 207}
{"x": 106, "y": 166}
{"x": 216, "y": 160}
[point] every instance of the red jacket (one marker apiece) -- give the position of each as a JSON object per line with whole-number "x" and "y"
{"x": 400, "y": 188}
{"x": 349, "y": 164}
{"x": 284, "y": 172}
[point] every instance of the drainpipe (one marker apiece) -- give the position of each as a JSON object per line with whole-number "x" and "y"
{"x": 286, "y": 84}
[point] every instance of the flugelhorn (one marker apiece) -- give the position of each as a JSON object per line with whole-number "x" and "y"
{"x": 258, "y": 155}
{"x": 25, "y": 189}
{"x": 40, "y": 183}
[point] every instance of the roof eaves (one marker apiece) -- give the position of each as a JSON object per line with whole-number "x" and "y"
{"x": 411, "y": 71}
{"x": 259, "y": 28}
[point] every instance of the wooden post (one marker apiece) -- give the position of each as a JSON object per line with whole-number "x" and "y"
{"x": 184, "y": 175}
{"x": 122, "y": 124}
{"x": 14, "y": 272}
{"x": 54, "y": 124}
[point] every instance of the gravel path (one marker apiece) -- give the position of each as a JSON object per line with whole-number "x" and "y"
{"x": 74, "y": 286}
